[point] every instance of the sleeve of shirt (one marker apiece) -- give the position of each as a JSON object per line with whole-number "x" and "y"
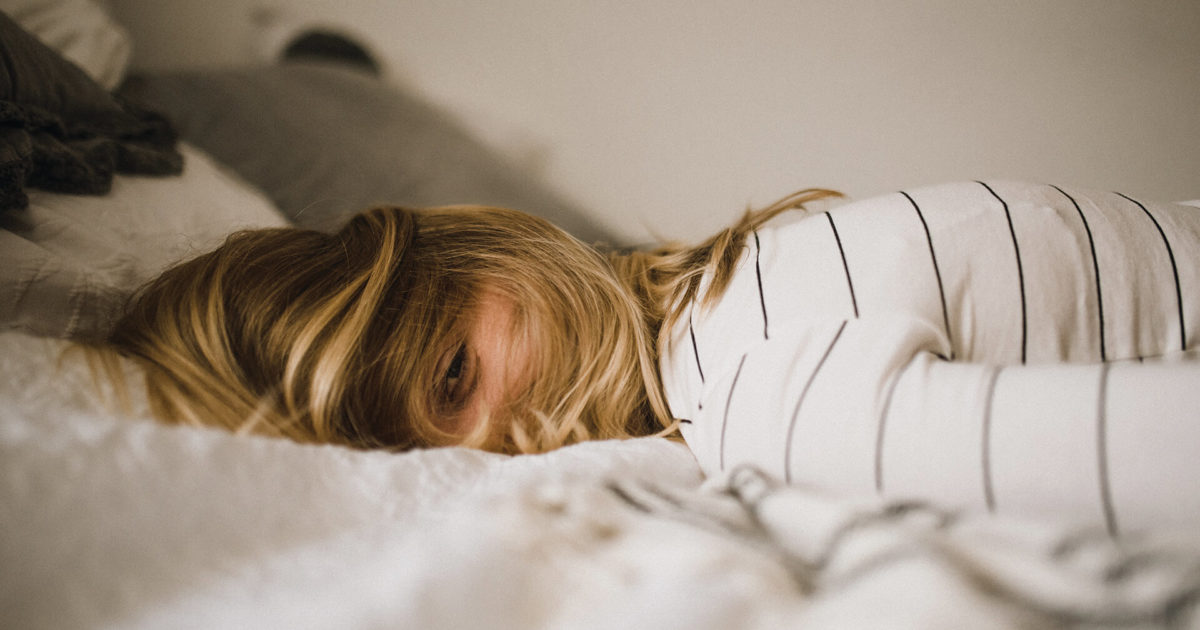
{"x": 868, "y": 407}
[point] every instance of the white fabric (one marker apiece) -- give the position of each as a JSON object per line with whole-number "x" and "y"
{"x": 81, "y": 31}
{"x": 113, "y": 521}
{"x": 834, "y": 360}
{"x": 116, "y": 521}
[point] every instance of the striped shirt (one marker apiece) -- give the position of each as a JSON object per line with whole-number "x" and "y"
{"x": 992, "y": 345}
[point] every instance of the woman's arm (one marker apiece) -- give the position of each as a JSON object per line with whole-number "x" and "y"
{"x": 868, "y": 406}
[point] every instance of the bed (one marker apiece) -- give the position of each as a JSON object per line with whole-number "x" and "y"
{"x": 110, "y": 519}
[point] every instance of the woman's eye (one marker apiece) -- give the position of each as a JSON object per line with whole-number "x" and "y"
{"x": 454, "y": 371}
{"x": 457, "y": 381}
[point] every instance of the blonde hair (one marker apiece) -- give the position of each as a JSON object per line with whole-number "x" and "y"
{"x": 337, "y": 338}
{"x": 665, "y": 280}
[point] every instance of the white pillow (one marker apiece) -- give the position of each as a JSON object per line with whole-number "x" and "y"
{"x": 67, "y": 262}
{"x": 79, "y": 30}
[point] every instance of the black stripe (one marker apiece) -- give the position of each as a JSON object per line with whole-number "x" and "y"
{"x": 762, "y": 299}
{"x": 1174, "y": 270}
{"x": 1110, "y": 514}
{"x": 725, "y": 418}
{"x": 1020, "y": 269}
{"x": 845, "y": 265}
{"x": 787, "y": 452}
{"x": 887, "y": 406}
{"x": 695, "y": 349}
{"x": 989, "y": 494}
{"x": 936, "y": 271}
{"x": 1095, "y": 270}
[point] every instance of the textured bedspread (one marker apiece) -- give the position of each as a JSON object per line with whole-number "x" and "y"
{"x": 113, "y": 521}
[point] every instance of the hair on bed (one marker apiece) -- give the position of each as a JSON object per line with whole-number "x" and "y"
{"x": 336, "y": 337}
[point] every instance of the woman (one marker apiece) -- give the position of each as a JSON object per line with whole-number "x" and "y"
{"x": 891, "y": 344}
{"x": 470, "y": 326}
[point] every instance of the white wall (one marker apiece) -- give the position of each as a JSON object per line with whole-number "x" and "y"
{"x": 670, "y": 116}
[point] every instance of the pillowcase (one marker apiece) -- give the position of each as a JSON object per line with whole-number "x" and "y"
{"x": 325, "y": 141}
{"x": 81, "y": 31}
{"x": 68, "y": 262}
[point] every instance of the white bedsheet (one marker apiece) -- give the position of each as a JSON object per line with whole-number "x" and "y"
{"x": 112, "y": 521}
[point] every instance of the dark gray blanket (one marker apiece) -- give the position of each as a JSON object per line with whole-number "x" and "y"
{"x": 62, "y": 132}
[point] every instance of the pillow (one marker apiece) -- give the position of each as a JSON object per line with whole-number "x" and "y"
{"x": 325, "y": 141}
{"x": 81, "y": 31}
{"x": 61, "y": 131}
{"x": 68, "y": 262}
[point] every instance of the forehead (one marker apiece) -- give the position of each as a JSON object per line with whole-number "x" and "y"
{"x": 497, "y": 326}
{"x": 505, "y": 359}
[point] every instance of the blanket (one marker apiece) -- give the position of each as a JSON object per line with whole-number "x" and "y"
{"x": 116, "y": 521}
{"x": 60, "y": 131}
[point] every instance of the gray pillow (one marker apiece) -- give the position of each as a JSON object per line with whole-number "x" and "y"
{"x": 325, "y": 141}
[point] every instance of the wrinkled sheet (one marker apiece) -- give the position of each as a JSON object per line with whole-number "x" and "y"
{"x": 110, "y": 520}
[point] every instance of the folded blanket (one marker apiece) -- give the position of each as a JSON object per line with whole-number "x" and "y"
{"x": 60, "y": 131}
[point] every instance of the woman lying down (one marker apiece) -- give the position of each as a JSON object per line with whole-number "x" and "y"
{"x": 1013, "y": 347}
